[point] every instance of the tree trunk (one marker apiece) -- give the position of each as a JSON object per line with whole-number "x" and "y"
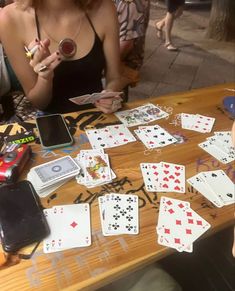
{"x": 222, "y": 20}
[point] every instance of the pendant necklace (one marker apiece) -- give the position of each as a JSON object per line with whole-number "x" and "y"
{"x": 67, "y": 46}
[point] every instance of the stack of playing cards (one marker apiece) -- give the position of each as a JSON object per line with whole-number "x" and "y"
{"x": 49, "y": 176}
{"x": 163, "y": 177}
{"x": 220, "y": 146}
{"x": 95, "y": 168}
{"x": 197, "y": 122}
{"x": 119, "y": 214}
{"x": 109, "y": 136}
{"x": 154, "y": 136}
{"x": 70, "y": 227}
{"x": 215, "y": 186}
{"x": 141, "y": 115}
{"x": 178, "y": 225}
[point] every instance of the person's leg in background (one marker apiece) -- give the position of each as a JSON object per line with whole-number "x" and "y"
{"x": 174, "y": 10}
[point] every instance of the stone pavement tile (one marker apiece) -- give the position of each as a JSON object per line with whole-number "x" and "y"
{"x": 164, "y": 88}
{"x": 185, "y": 58}
{"x": 213, "y": 71}
{"x": 136, "y": 94}
{"x": 181, "y": 75}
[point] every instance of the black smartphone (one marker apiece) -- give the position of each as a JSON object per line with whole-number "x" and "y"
{"x": 53, "y": 131}
{"x": 22, "y": 221}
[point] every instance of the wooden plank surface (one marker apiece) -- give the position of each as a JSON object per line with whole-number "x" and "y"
{"x": 111, "y": 257}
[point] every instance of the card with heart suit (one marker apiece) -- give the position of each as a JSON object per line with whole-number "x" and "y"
{"x": 119, "y": 214}
{"x": 216, "y": 186}
{"x": 172, "y": 177}
{"x": 197, "y": 122}
{"x": 110, "y": 136}
{"x": 70, "y": 227}
{"x": 163, "y": 177}
{"x": 141, "y": 115}
{"x": 178, "y": 225}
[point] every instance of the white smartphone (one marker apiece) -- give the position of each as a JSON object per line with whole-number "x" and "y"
{"x": 53, "y": 131}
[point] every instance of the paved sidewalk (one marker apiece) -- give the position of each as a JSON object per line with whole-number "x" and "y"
{"x": 199, "y": 62}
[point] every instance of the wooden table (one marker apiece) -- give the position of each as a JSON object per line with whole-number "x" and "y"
{"x": 111, "y": 257}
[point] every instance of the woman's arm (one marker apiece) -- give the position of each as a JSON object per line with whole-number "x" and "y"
{"x": 37, "y": 85}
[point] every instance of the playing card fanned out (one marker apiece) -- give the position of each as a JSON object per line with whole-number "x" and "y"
{"x": 95, "y": 168}
{"x": 119, "y": 214}
{"x": 178, "y": 226}
{"x": 216, "y": 186}
{"x": 141, "y": 115}
{"x": 197, "y": 122}
{"x": 220, "y": 146}
{"x": 70, "y": 227}
{"x": 109, "y": 136}
{"x": 163, "y": 177}
{"x": 154, "y": 136}
{"x": 92, "y": 98}
{"x": 49, "y": 176}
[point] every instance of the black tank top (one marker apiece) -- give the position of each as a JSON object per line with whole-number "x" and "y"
{"x": 76, "y": 77}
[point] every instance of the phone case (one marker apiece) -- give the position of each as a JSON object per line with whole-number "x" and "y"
{"x": 22, "y": 221}
{"x": 59, "y": 144}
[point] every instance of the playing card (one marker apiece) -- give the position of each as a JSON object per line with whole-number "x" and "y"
{"x": 121, "y": 134}
{"x": 172, "y": 177}
{"x": 121, "y": 214}
{"x": 203, "y": 123}
{"x": 154, "y": 136}
{"x": 179, "y": 224}
{"x": 54, "y": 170}
{"x": 92, "y": 98}
{"x": 80, "y": 100}
{"x": 220, "y": 184}
{"x": 150, "y": 173}
{"x": 201, "y": 186}
{"x": 70, "y": 227}
{"x": 141, "y": 115}
{"x": 187, "y": 120}
{"x": 97, "y": 168}
{"x": 217, "y": 153}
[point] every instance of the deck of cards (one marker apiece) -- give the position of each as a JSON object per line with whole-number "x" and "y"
{"x": 49, "y": 176}
{"x": 220, "y": 146}
{"x": 119, "y": 214}
{"x": 109, "y": 136}
{"x": 215, "y": 186}
{"x": 178, "y": 225}
{"x": 197, "y": 122}
{"x": 141, "y": 115}
{"x": 95, "y": 168}
{"x": 70, "y": 227}
{"x": 163, "y": 177}
{"x": 154, "y": 136}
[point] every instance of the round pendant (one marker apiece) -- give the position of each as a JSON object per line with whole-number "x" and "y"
{"x": 67, "y": 47}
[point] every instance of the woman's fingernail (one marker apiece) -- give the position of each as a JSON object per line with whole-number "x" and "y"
{"x": 36, "y": 40}
{"x": 57, "y": 53}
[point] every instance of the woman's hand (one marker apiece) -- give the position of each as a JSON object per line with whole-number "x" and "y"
{"x": 41, "y": 60}
{"x": 109, "y": 105}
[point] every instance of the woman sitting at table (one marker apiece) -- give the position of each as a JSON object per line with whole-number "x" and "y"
{"x": 74, "y": 42}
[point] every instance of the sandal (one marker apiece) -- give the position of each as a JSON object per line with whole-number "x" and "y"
{"x": 159, "y": 31}
{"x": 170, "y": 47}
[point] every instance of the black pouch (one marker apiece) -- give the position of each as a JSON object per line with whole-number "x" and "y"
{"x": 22, "y": 221}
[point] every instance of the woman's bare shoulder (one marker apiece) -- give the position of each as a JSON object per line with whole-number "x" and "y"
{"x": 13, "y": 15}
